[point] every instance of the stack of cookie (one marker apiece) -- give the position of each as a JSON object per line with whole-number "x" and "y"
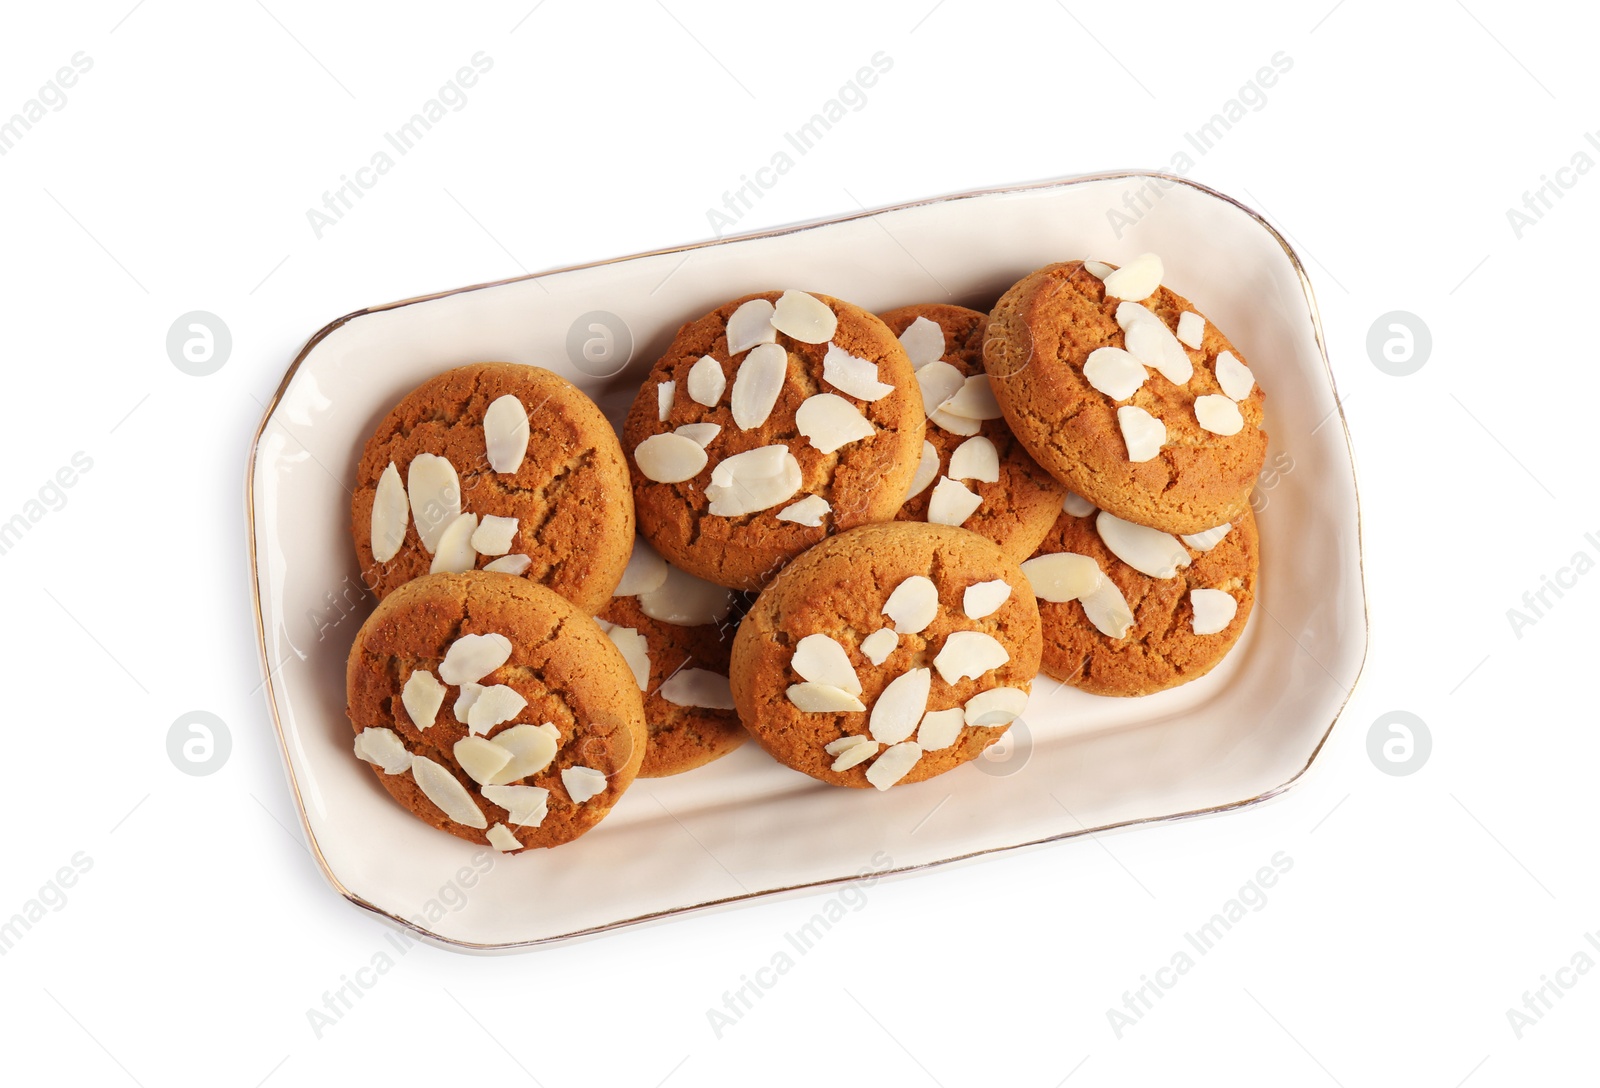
{"x": 861, "y": 539}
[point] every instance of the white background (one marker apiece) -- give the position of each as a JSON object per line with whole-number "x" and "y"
{"x": 177, "y": 177}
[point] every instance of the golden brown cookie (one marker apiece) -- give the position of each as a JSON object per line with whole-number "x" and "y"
{"x": 1142, "y": 454}
{"x": 498, "y": 466}
{"x": 494, "y": 709}
{"x": 770, "y": 423}
{"x": 675, "y": 631}
{"x": 890, "y": 653}
{"x": 1017, "y": 501}
{"x": 1174, "y": 629}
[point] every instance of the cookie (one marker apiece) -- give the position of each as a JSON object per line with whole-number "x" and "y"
{"x": 1126, "y": 395}
{"x": 890, "y": 653}
{"x": 497, "y": 466}
{"x": 675, "y": 631}
{"x": 494, "y": 709}
{"x": 770, "y": 423}
{"x": 1128, "y": 610}
{"x": 991, "y": 485}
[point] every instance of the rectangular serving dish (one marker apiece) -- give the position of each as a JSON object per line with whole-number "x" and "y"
{"x": 745, "y": 826}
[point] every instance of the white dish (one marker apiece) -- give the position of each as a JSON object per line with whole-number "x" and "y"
{"x": 746, "y": 826}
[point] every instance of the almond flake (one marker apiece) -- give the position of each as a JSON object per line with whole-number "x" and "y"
{"x": 447, "y": 793}
{"x": 877, "y": 646}
{"x": 757, "y": 384}
{"x": 583, "y": 783}
{"x": 463, "y": 704}
{"x": 829, "y": 422}
{"x": 700, "y": 434}
{"x": 834, "y": 747}
{"x": 494, "y": 535}
{"x": 809, "y": 511}
{"x": 686, "y": 601}
{"x": 1107, "y": 609}
{"x": 804, "y": 317}
{"x": 754, "y": 480}
{"x": 505, "y": 433}
{"x": 635, "y": 651}
{"x": 501, "y": 838}
{"x": 1148, "y": 551}
{"x": 821, "y": 659}
{"x": 1235, "y": 378}
{"x": 472, "y": 657}
{"x": 1218, "y": 414}
{"x": 974, "y": 400}
{"x": 669, "y": 458}
{"x": 1077, "y": 505}
{"x": 706, "y": 381}
{"x": 955, "y": 424}
{"x": 1062, "y": 576}
{"x": 1191, "y": 329}
{"x": 665, "y": 391}
{"x": 510, "y": 564}
{"x": 822, "y": 699}
{"x": 531, "y": 748}
{"x": 997, "y": 706}
{"x": 900, "y": 706}
{"x": 456, "y": 553}
{"x": 698, "y": 687}
{"x": 1114, "y": 372}
{"x": 384, "y": 749}
{"x": 853, "y": 375}
{"x": 1137, "y": 280}
{"x": 482, "y": 759}
{"x": 940, "y": 728}
{"x": 976, "y": 459}
{"x": 1153, "y": 344}
{"x": 749, "y": 325}
{"x": 913, "y": 604}
{"x": 969, "y": 654}
{"x": 494, "y": 704}
{"x": 391, "y": 513}
{"x": 923, "y": 342}
{"x": 938, "y": 382}
{"x": 858, "y": 751}
{"x": 1098, "y": 269}
{"x": 985, "y": 598}
{"x": 1142, "y": 432}
{"x": 1207, "y": 539}
{"x": 435, "y": 492}
{"x": 526, "y": 806}
{"x": 646, "y": 570}
{"x": 927, "y": 470}
{"x": 422, "y": 697}
{"x": 1214, "y": 609}
{"x": 952, "y": 503}
{"x": 894, "y": 764}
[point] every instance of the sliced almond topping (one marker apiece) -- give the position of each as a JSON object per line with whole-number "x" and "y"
{"x": 669, "y": 458}
{"x": 900, "y": 706}
{"x": 822, "y": 699}
{"x": 927, "y": 470}
{"x": 510, "y": 564}
{"x": 447, "y": 793}
{"x": 700, "y": 434}
{"x": 698, "y": 687}
{"x": 938, "y": 382}
{"x": 1218, "y": 414}
{"x": 1207, "y": 539}
{"x": 913, "y": 604}
{"x": 391, "y": 513}
{"x": 1153, "y": 344}
{"x": 974, "y": 400}
{"x": 1235, "y": 378}
{"x": 829, "y": 421}
{"x": 1107, "y": 609}
{"x": 456, "y": 553}
{"x": 923, "y": 342}
{"x": 834, "y": 747}
{"x": 384, "y": 749}
{"x": 754, "y": 480}
{"x": 635, "y": 651}
{"x": 435, "y": 492}
{"x": 952, "y": 503}
{"x": 1114, "y": 372}
{"x": 532, "y": 747}
{"x": 969, "y": 653}
{"x": 472, "y": 657}
{"x": 526, "y": 806}
{"x": 422, "y": 697}
{"x": 505, "y": 433}
{"x": 686, "y": 601}
{"x": 706, "y": 381}
{"x": 1149, "y": 551}
{"x": 877, "y": 646}
{"x": 583, "y": 783}
{"x": 1142, "y": 432}
{"x": 853, "y": 375}
{"x": 482, "y": 759}
{"x": 804, "y": 317}
{"x": 809, "y": 511}
{"x": 463, "y": 704}
{"x": 646, "y": 570}
{"x": 1130, "y": 314}
{"x": 494, "y": 535}
{"x": 757, "y": 384}
{"x": 1062, "y": 576}
{"x": 1077, "y": 505}
{"x": 749, "y": 325}
{"x": 821, "y": 659}
{"x": 1214, "y": 609}
{"x": 858, "y": 751}
{"x": 984, "y": 598}
{"x": 894, "y": 764}
{"x": 1137, "y": 280}
{"x": 997, "y": 706}
{"x": 495, "y": 704}
{"x": 501, "y": 838}
{"x": 976, "y": 459}
{"x": 940, "y": 728}
{"x": 955, "y": 424}
{"x": 1098, "y": 269}
{"x": 665, "y": 391}
{"x": 1191, "y": 329}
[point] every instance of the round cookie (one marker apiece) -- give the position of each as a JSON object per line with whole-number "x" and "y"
{"x": 564, "y": 482}
{"x": 1042, "y": 333}
{"x": 1019, "y": 503}
{"x": 1160, "y": 648}
{"x": 682, "y": 665}
{"x": 457, "y": 682}
{"x": 863, "y": 666}
{"x": 835, "y": 410}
